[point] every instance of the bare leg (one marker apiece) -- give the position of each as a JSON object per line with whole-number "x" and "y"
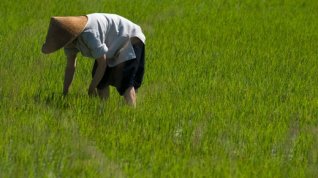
{"x": 130, "y": 96}
{"x": 103, "y": 93}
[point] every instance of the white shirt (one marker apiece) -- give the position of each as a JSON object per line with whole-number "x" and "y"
{"x": 107, "y": 34}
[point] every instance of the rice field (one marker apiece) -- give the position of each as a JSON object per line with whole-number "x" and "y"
{"x": 230, "y": 90}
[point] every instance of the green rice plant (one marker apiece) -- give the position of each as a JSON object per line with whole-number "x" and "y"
{"x": 230, "y": 91}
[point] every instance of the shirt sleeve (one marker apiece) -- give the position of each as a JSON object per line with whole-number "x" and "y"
{"x": 93, "y": 42}
{"x": 70, "y": 51}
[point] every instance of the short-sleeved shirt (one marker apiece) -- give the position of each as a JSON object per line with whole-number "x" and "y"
{"x": 107, "y": 34}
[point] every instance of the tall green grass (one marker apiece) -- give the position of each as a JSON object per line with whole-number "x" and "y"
{"x": 230, "y": 91}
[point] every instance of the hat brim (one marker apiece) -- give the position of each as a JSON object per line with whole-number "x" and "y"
{"x": 47, "y": 50}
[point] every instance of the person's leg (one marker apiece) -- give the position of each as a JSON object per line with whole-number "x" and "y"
{"x": 129, "y": 75}
{"x": 103, "y": 93}
{"x": 124, "y": 81}
{"x": 103, "y": 86}
{"x": 130, "y": 96}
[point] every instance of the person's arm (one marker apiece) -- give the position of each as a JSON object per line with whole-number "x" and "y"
{"x": 69, "y": 73}
{"x": 100, "y": 70}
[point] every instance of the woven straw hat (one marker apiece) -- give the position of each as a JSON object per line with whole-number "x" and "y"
{"x": 63, "y": 30}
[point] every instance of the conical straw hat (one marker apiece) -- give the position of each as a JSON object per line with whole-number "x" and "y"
{"x": 63, "y": 30}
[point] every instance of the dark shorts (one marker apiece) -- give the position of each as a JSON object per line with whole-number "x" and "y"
{"x": 126, "y": 74}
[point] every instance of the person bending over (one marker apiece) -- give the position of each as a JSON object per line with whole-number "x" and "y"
{"x": 116, "y": 44}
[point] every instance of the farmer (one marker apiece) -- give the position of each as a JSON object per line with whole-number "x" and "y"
{"x": 116, "y": 44}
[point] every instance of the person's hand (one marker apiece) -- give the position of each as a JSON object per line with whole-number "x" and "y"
{"x": 92, "y": 91}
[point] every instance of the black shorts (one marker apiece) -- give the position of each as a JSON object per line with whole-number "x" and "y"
{"x": 126, "y": 74}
